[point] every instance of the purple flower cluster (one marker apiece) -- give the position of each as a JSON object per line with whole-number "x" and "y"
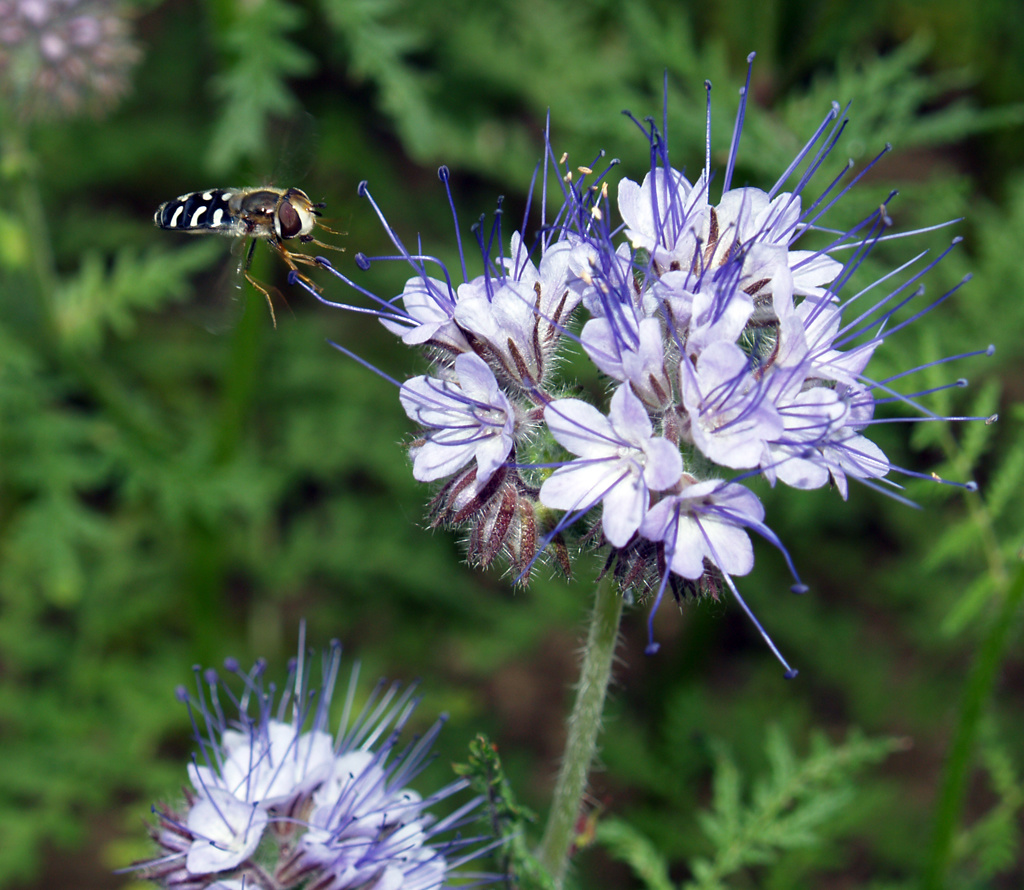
{"x": 61, "y": 57}
{"x": 278, "y": 801}
{"x": 730, "y": 354}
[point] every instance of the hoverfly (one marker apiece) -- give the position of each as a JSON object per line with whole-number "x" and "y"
{"x": 263, "y": 213}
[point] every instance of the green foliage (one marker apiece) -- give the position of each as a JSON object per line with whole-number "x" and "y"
{"x": 169, "y": 496}
{"x": 990, "y": 847}
{"x": 886, "y": 95}
{"x": 796, "y": 806}
{"x": 506, "y": 819}
{"x": 643, "y": 857}
{"x": 259, "y": 56}
{"x": 787, "y": 810}
{"x": 108, "y": 295}
{"x": 378, "y": 40}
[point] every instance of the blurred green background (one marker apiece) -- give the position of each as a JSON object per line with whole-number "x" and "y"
{"x": 179, "y": 484}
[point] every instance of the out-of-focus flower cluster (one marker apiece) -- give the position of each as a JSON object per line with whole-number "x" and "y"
{"x": 278, "y": 801}
{"x": 62, "y": 57}
{"x": 730, "y": 354}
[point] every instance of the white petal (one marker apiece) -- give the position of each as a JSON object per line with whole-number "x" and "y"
{"x": 624, "y": 508}
{"x": 227, "y": 832}
{"x": 580, "y": 428}
{"x": 578, "y": 486}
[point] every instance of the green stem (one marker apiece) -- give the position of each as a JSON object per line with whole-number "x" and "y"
{"x": 241, "y": 379}
{"x": 976, "y": 697}
{"x": 207, "y": 562}
{"x": 19, "y": 172}
{"x": 584, "y": 726}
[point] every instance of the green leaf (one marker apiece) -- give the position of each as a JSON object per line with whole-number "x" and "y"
{"x": 107, "y": 297}
{"x": 628, "y": 845}
{"x": 252, "y": 84}
{"x": 792, "y": 807}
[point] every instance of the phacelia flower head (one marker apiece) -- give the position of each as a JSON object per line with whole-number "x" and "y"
{"x": 278, "y": 800}
{"x": 61, "y": 57}
{"x": 734, "y": 354}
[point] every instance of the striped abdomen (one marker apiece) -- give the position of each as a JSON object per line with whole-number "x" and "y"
{"x": 207, "y": 211}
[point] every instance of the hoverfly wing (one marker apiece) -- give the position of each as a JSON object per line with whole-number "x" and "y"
{"x": 218, "y": 300}
{"x": 297, "y": 140}
{"x": 217, "y": 306}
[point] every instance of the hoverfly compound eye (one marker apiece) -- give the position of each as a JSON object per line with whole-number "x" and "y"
{"x": 288, "y": 222}
{"x": 294, "y": 215}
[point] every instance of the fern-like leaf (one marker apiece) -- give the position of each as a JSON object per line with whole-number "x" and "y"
{"x": 104, "y": 296}
{"x": 252, "y": 86}
{"x": 628, "y": 845}
{"x": 788, "y": 809}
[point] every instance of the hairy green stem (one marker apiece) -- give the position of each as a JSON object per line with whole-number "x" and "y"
{"x": 976, "y": 697}
{"x": 584, "y": 726}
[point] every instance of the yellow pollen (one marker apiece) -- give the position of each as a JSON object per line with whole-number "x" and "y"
{"x": 586, "y": 171}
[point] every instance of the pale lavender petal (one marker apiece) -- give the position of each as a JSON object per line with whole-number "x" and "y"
{"x": 637, "y": 356}
{"x": 707, "y": 520}
{"x": 430, "y": 307}
{"x": 465, "y": 417}
{"x": 624, "y": 508}
{"x": 629, "y": 417}
{"x": 579, "y": 485}
{"x": 227, "y": 832}
{"x": 443, "y": 454}
{"x": 811, "y": 271}
{"x": 664, "y": 464}
{"x": 579, "y": 427}
{"x": 731, "y": 416}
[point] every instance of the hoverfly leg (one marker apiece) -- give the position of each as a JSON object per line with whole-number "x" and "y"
{"x": 248, "y": 257}
{"x": 266, "y": 295}
{"x": 292, "y": 258}
{"x": 246, "y": 264}
{"x": 328, "y": 246}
